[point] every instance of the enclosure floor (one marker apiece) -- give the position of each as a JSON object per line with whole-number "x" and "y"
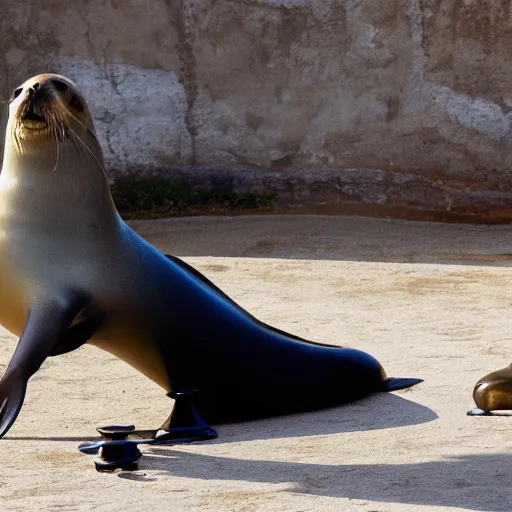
{"x": 428, "y": 300}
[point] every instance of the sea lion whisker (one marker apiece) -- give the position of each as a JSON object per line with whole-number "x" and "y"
{"x": 87, "y": 148}
{"x": 91, "y": 132}
{"x": 73, "y": 138}
{"x": 57, "y": 143}
{"x": 77, "y": 141}
{"x": 16, "y": 136}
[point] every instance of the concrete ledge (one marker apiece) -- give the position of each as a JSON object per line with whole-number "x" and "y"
{"x": 367, "y": 192}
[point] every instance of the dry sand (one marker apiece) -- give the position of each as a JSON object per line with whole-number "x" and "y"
{"x": 428, "y": 300}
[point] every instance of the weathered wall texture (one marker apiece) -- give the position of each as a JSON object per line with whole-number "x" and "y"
{"x": 399, "y": 103}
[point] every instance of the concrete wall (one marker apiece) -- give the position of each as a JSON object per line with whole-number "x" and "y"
{"x": 399, "y": 103}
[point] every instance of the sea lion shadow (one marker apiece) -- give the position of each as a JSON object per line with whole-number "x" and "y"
{"x": 378, "y": 411}
{"x": 474, "y": 482}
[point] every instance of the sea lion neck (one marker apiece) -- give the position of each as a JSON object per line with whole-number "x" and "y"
{"x": 54, "y": 183}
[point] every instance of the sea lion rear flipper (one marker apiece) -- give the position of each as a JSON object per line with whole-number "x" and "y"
{"x": 394, "y": 384}
{"x": 48, "y": 321}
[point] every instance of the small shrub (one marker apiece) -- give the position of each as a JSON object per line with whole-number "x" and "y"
{"x": 135, "y": 196}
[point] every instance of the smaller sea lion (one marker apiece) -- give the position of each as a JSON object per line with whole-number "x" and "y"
{"x": 493, "y": 393}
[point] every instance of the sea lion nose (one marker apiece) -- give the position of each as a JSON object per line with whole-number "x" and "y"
{"x": 33, "y": 89}
{"x": 32, "y": 92}
{"x": 36, "y": 94}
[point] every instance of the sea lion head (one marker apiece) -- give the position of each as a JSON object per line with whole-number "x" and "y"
{"x": 48, "y": 109}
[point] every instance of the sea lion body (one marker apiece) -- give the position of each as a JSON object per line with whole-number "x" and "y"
{"x": 214, "y": 339}
{"x": 71, "y": 272}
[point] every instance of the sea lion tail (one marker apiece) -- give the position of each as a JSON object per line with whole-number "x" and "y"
{"x": 393, "y": 384}
{"x": 12, "y": 395}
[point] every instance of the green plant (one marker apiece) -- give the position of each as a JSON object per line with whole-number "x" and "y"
{"x": 173, "y": 196}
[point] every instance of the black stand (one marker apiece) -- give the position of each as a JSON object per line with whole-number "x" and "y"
{"x": 118, "y": 446}
{"x": 184, "y": 425}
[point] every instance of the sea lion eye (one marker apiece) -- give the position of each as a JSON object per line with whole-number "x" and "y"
{"x": 59, "y": 85}
{"x": 76, "y": 103}
{"x": 16, "y": 93}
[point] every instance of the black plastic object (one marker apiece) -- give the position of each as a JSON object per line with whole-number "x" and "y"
{"x": 118, "y": 447}
{"x": 115, "y": 454}
{"x": 116, "y": 432}
{"x": 184, "y": 424}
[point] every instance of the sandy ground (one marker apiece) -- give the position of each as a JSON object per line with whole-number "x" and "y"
{"x": 428, "y": 300}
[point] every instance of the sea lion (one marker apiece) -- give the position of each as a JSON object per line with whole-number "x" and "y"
{"x": 493, "y": 392}
{"x": 72, "y": 272}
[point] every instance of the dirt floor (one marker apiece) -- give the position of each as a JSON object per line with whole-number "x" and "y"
{"x": 428, "y": 300}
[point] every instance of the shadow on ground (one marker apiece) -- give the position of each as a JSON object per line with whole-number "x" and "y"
{"x": 379, "y": 411}
{"x": 475, "y": 482}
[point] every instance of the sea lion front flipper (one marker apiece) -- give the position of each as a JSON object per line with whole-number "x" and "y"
{"x": 12, "y": 393}
{"x": 48, "y": 321}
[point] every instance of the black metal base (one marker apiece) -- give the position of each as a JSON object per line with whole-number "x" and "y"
{"x": 118, "y": 446}
{"x": 118, "y": 455}
{"x": 184, "y": 424}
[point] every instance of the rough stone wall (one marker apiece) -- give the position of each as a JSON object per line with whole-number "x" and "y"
{"x": 400, "y": 103}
